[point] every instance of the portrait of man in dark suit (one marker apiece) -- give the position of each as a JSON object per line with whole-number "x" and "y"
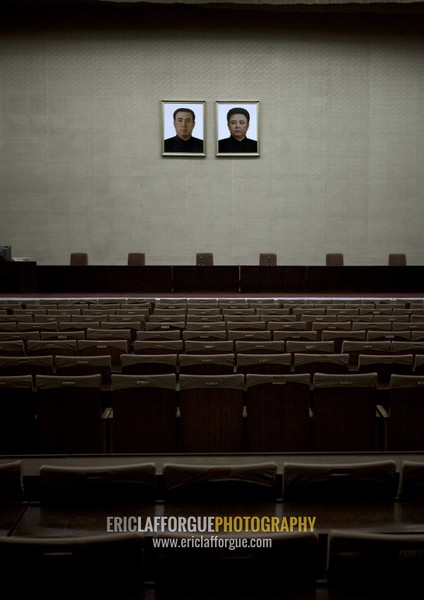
{"x": 238, "y": 122}
{"x": 183, "y": 142}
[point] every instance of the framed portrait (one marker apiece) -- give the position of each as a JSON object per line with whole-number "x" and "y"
{"x": 237, "y": 128}
{"x": 183, "y": 128}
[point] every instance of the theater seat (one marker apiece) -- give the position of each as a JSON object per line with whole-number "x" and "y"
{"x": 288, "y": 565}
{"x": 332, "y": 481}
{"x": 267, "y": 259}
{"x": 334, "y": 259}
{"x": 96, "y": 566}
{"x": 220, "y": 483}
{"x": 79, "y": 259}
{"x": 136, "y": 259}
{"x": 204, "y": 259}
{"x": 387, "y": 564}
{"x": 97, "y": 486}
{"x": 397, "y": 260}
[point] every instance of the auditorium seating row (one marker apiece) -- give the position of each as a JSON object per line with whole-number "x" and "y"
{"x": 369, "y": 480}
{"x": 231, "y": 413}
{"x": 211, "y": 302}
{"x": 215, "y": 358}
{"x": 219, "y": 311}
{"x": 61, "y": 536}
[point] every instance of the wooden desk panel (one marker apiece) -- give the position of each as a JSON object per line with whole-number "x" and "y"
{"x": 206, "y": 279}
{"x": 273, "y": 279}
{"x": 104, "y": 279}
{"x": 18, "y": 277}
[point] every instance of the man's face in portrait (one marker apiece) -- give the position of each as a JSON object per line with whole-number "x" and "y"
{"x": 184, "y": 124}
{"x": 238, "y": 126}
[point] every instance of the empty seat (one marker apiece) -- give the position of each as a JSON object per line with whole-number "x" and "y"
{"x": 12, "y": 348}
{"x": 204, "y": 318}
{"x": 144, "y": 415}
{"x": 248, "y": 325}
{"x": 69, "y": 414}
{"x": 355, "y": 348}
{"x": 125, "y": 324}
{"x": 205, "y": 336}
{"x": 37, "y": 326}
{"x": 329, "y": 325}
{"x": 51, "y": 347}
{"x": 295, "y": 335}
{"x": 211, "y": 408}
{"x": 26, "y": 365}
{"x": 157, "y": 347}
{"x": 388, "y": 565}
{"x": 414, "y": 348}
{"x": 148, "y": 364}
{"x": 334, "y": 259}
{"x": 101, "y": 485}
{"x": 278, "y": 413}
{"x": 18, "y": 415}
{"x": 204, "y": 259}
{"x": 257, "y": 335}
{"x": 84, "y": 365}
{"x": 310, "y": 347}
{"x": 397, "y": 260}
{"x": 208, "y": 347}
{"x": 324, "y": 363}
{"x": 345, "y": 414}
{"x": 207, "y": 364}
{"x": 391, "y": 336}
{"x": 204, "y": 326}
{"x": 386, "y": 365}
{"x": 202, "y": 311}
{"x": 79, "y": 259}
{"x": 338, "y": 337}
{"x": 267, "y": 259}
{"x": 161, "y": 317}
{"x": 265, "y": 363}
{"x": 170, "y": 325}
{"x": 155, "y": 336}
{"x": 288, "y": 563}
{"x": 105, "y": 333}
{"x": 7, "y": 326}
{"x": 61, "y": 335}
{"x": 112, "y": 348}
{"x": 331, "y": 481}
{"x": 98, "y": 566}
{"x": 247, "y": 346}
{"x": 136, "y": 259}
{"x": 82, "y": 324}
{"x": 405, "y": 429}
{"x": 220, "y": 483}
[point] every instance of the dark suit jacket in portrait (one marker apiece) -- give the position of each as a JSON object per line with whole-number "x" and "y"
{"x": 232, "y": 145}
{"x": 177, "y": 144}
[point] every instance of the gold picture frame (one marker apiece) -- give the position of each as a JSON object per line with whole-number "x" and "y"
{"x": 237, "y": 128}
{"x": 183, "y": 128}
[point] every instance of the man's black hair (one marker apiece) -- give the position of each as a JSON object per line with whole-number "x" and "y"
{"x": 238, "y": 111}
{"x": 185, "y": 110}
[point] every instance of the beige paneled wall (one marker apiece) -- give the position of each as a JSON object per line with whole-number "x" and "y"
{"x": 342, "y": 144}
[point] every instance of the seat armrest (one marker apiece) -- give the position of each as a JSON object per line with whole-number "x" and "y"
{"x": 382, "y": 412}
